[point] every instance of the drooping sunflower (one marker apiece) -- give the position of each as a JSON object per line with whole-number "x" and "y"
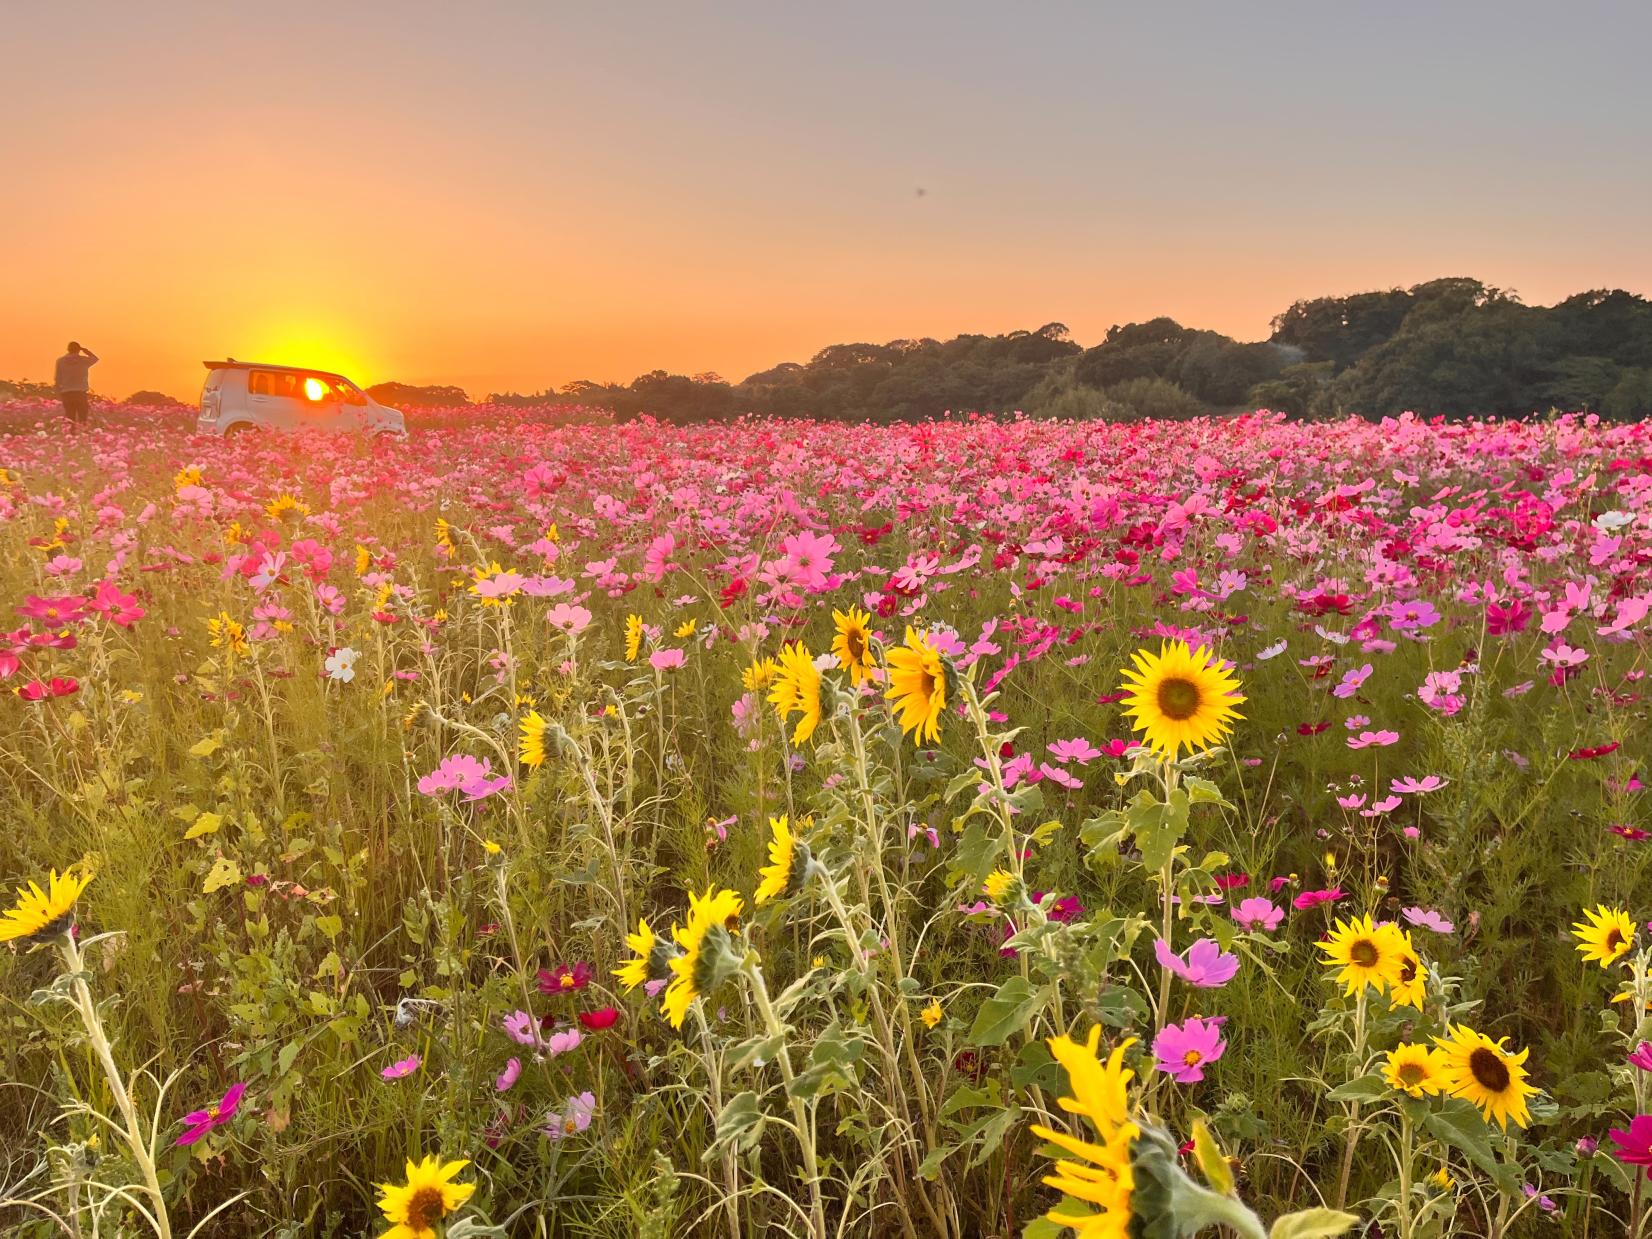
{"x": 1180, "y": 698}
{"x": 428, "y": 1196}
{"x": 998, "y": 886}
{"x": 796, "y": 690}
{"x": 653, "y": 957}
{"x": 1605, "y": 935}
{"x": 1481, "y": 1071}
{"x": 1414, "y": 1070}
{"x": 1099, "y": 1174}
{"x": 1367, "y": 954}
{"x": 709, "y": 956}
{"x": 853, "y": 644}
{"x": 917, "y": 686}
{"x": 633, "y": 637}
{"x": 43, "y": 913}
{"x": 788, "y": 859}
{"x": 1410, "y": 987}
{"x": 531, "y": 744}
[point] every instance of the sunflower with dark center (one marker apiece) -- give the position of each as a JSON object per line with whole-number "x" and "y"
{"x": 1368, "y": 955}
{"x": 427, "y": 1197}
{"x": 1410, "y": 987}
{"x": 1482, "y": 1072}
{"x": 796, "y": 690}
{"x": 1180, "y": 698}
{"x": 1413, "y": 1070}
{"x": 43, "y": 913}
{"x": 1605, "y": 935}
{"x": 652, "y": 959}
{"x": 853, "y": 643}
{"x": 710, "y": 953}
{"x": 917, "y": 686}
{"x": 789, "y": 860}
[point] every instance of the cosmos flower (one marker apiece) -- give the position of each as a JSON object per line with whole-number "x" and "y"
{"x": 1427, "y": 918}
{"x": 404, "y": 1068}
{"x": 1258, "y": 911}
{"x": 564, "y": 979}
{"x": 574, "y": 1117}
{"x": 1184, "y": 1050}
{"x": 1205, "y": 964}
{"x": 1635, "y": 1143}
{"x": 198, "y": 1123}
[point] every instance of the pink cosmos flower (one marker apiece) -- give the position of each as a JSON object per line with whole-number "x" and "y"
{"x": 1184, "y": 1049}
{"x": 1641, "y": 1056}
{"x": 562, "y": 1042}
{"x": 1351, "y": 682}
{"x": 1077, "y": 749}
{"x": 1205, "y": 965}
{"x": 1257, "y": 911}
{"x": 522, "y": 1028}
{"x": 508, "y": 1077}
{"x": 115, "y": 606}
{"x": 570, "y": 618}
{"x": 573, "y": 1118}
{"x": 400, "y": 1070}
{"x": 198, "y": 1122}
{"x": 565, "y": 979}
{"x": 451, "y": 773}
{"x": 1369, "y": 739}
{"x": 1416, "y": 787}
{"x": 1312, "y": 899}
{"x": 1427, "y": 918}
{"x": 665, "y": 660}
{"x": 65, "y": 610}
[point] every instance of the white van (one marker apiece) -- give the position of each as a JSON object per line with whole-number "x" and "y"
{"x": 250, "y": 395}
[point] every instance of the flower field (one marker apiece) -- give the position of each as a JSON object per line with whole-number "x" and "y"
{"x": 977, "y": 828}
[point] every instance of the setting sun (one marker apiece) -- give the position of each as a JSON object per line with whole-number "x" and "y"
{"x": 314, "y": 389}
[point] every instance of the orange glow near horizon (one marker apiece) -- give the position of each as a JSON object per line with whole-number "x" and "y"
{"x": 473, "y": 197}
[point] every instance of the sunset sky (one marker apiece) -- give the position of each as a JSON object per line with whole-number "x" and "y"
{"x": 506, "y": 196}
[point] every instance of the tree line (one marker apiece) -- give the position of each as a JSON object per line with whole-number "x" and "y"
{"x": 1455, "y": 347}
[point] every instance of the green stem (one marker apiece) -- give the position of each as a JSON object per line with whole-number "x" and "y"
{"x": 800, "y": 1112}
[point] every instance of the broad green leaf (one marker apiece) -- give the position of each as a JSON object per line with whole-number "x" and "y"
{"x": 225, "y": 872}
{"x": 1365, "y": 1088}
{"x": 1212, "y": 1163}
{"x": 1313, "y": 1224}
{"x": 205, "y": 824}
{"x": 206, "y": 746}
{"x": 1005, "y": 1012}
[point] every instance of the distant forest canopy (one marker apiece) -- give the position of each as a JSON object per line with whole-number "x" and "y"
{"x": 1453, "y": 346}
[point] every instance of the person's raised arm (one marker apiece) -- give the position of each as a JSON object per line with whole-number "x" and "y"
{"x": 91, "y": 357}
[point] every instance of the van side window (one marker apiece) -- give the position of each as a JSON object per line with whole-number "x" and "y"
{"x": 272, "y": 383}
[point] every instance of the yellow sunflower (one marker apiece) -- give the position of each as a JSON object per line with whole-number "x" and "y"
{"x": 759, "y": 675}
{"x": 633, "y": 637}
{"x": 1414, "y": 1069}
{"x": 708, "y": 956}
{"x": 286, "y": 506}
{"x": 1100, "y": 1173}
{"x": 1605, "y": 935}
{"x": 853, "y": 644}
{"x": 1180, "y": 698}
{"x": 43, "y": 913}
{"x": 782, "y": 872}
{"x": 228, "y": 634}
{"x": 531, "y": 745}
{"x": 932, "y": 1014}
{"x": 645, "y": 967}
{"x": 999, "y": 886}
{"x": 796, "y": 689}
{"x": 1480, "y": 1070}
{"x": 427, "y": 1197}
{"x": 1410, "y": 987}
{"x": 1367, "y": 954}
{"x": 917, "y": 686}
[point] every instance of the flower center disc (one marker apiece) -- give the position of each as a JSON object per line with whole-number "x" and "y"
{"x": 1489, "y": 1070}
{"x": 1364, "y": 953}
{"x": 423, "y": 1208}
{"x": 1179, "y": 699}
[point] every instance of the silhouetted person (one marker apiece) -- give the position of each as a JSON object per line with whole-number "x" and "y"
{"x": 73, "y": 385}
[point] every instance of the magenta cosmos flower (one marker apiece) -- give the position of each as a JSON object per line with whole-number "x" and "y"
{"x": 404, "y": 1068}
{"x": 198, "y": 1122}
{"x": 1635, "y": 1145}
{"x": 1183, "y": 1049}
{"x": 1205, "y": 965}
